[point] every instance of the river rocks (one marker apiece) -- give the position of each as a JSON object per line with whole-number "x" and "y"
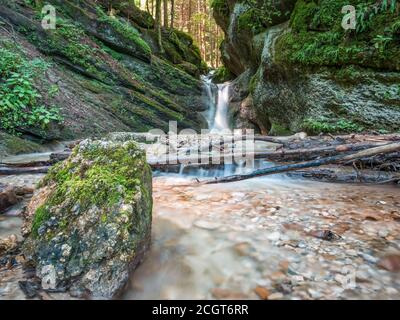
{"x": 390, "y": 263}
{"x": 8, "y": 244}
{"x": 88, "y": 226}
{"x": 8, "y": 198}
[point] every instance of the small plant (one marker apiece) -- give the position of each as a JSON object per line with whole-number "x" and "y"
{"x": 20, "y": 105}
{"x": 381, "y": 42}
{"x": 53, "y": 90}
{"x": 322, "y": 125}
{"x": 258, "y": 16}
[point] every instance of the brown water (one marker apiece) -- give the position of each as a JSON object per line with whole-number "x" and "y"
{"x": 223, "y": 241}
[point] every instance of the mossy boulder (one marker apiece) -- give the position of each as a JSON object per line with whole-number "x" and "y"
{"x": 309, "y": 73}
{"x": 12, "y": 145}
{"x": 241, "y": 21}
{"x": 89, "y": 224}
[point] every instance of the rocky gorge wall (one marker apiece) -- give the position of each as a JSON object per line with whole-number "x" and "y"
{"x": 297, "y": 69}
{"x": 95, "y": 73}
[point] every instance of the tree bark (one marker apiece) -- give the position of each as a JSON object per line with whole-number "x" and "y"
{"x": 158, "y": 25}
{"x": 165, "y": 3}
{"x": 172, "y": 13}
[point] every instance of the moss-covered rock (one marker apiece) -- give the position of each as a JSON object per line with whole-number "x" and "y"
{"x": 309, "y": 74}
{"x": 317, "y": 37}
{"x": 89, "y": 224}
{"x": 12, "y": 145}
{"x": 222, "y": 74}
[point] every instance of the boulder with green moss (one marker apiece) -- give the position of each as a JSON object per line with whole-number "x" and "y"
{"x": 304, "y": 72}
{"x": 89, "y": 224}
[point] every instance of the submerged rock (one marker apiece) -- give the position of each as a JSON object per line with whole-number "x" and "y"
{"x": 89, "y": 224}
{"x": 8, "y": 198}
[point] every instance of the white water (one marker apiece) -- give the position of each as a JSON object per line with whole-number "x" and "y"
{"x": 218, "y": 102}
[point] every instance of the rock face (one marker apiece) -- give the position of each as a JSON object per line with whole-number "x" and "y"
{"x": 102, "y": 72}
{"x": 89, "y": 224}
{"x": 300, "y": 71}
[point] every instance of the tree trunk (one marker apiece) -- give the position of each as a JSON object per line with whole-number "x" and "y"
{"x": 165, "y": 2}
{"x": 158, "y": 25}
{"x": 172, "y": 13}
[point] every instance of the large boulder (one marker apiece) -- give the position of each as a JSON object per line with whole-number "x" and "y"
{"x": 89, "y": 224}
{"x": 304, "y": 72}
{"x": 241, "y": 21}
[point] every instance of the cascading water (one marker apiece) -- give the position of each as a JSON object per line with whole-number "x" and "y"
{"x": 218, "y": 103}
{"x": 221, "y": 115}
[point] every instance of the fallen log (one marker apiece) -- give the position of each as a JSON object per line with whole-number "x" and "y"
{"x": 7, "y": 171}
{"x": 347, "y": 175}
{"x": 388, "y": 148}
{"x": 204, "y": 161}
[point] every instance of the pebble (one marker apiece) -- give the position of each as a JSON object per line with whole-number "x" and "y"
{"x": 274, "y": 236}
{"x": 262, "y": 292}
{"x": 369, "y": 258}
{"x": 276, "y": 296}
{"x": 352, "y": 252}
{"x": 314, "y": 294}
{"x": 391, "y": 291}
{"x": 297, "y": 278}
{"x": 383, "y": 233}
{"x": 208, "y": 225}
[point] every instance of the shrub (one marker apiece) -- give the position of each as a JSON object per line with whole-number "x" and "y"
{"x": 19, "y": 99}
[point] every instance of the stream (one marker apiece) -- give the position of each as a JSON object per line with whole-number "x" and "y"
{"x": 271, "y": 237}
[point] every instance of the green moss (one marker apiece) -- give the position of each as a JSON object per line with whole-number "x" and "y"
{"x": 222, "y": 74}
{"x": 318, "y": 39}
{"x": 126, "y": 30}
{"x": 220, "y": 6}
{"x": 69, "y": 40}
{"x": 302, "y": 15}
{"x": 99, "y": 176}
{"x": 11, "y": 145}
{"x": 260, "y": 15}
{"x": 279, "y": 130}
{"x": 253, "y": 83}
{"x": 42, "y": 215}
{"x": 322, "y": 125}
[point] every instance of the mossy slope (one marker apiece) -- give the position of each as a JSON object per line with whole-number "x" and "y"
{"x": 104, "y": 73}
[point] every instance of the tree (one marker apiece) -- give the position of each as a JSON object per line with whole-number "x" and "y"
{"x": 194, "y": 17}
{"x": 165, "y": 11}
{"x": 172, "y": 13}
{"x": 158, "y": 25}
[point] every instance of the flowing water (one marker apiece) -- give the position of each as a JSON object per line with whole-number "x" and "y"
{"x": 230, "y": 241}
{"x": 218, "y": 102}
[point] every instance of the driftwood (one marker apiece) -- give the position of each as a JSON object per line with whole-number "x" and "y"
{"x": 388, "y": 148}
{"x": 281, "y": 155}
{"x": 347, "y": 175}
{"x": 8, "y": 171}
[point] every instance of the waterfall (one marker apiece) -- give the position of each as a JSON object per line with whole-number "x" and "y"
{"x": 221, "y": 115}
{"x": 218, "y": 104}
